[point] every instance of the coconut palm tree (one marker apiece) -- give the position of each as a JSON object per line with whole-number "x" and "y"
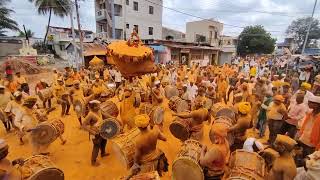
{"x": 59, "y": 8}
{"x": 5, "y": 21}
{"x": 29, "y": 33}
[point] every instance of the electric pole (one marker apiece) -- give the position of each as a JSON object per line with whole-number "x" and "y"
{"x": 75, "y": 60}
{"x": 80, "y": 33}
{"x": 309, "y": 27}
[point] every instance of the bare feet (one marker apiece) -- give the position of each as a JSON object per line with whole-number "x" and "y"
{"x": 105, "y": 154}
{"x": 95, "y": 163}
{"x": 63, "y": 142}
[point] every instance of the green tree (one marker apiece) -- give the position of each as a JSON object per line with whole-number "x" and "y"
{"x": 29, "y": 33}
{"x": 6, "y": 23}
{"x": 59, "y": 8}
{"x": 298, "y": 28}
{"x": 255, "y": 39}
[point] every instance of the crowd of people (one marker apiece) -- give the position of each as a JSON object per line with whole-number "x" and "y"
{"x": 274, "y": 105}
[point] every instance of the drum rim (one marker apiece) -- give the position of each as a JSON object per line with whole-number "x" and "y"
{"x": 48, "y": 125}
{"x": 112, "y": 119}
{"x": 47, "y": 168}
{"x": 174, "y": 135}
{"x": 188, "y": 159}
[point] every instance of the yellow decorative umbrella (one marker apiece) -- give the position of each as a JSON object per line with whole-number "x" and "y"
{"x": 131, "y": 57}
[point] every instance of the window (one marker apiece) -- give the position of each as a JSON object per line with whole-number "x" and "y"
{"x": 117, "y": 10}
{"x": 150, "y": 9}
{"x": 62, "y": 47}
{"x": 135, "y": 6}
{"x": 118, "y": 33}
{"x": 136, "y": 28}
{"x": 150, "y": 30}
{"x": 127, "y": 26}
{"x": 216, "y": 35}
{"x": 101, "y": 28}
{"x": 127, "y": 2}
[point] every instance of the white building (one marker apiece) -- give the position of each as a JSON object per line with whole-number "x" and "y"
{"x": 60, "y": 37}
{"x": 129, "y": 14}
{"x": 204, "y": 31}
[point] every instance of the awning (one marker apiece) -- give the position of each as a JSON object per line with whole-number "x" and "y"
{"x": 159, "y": 48}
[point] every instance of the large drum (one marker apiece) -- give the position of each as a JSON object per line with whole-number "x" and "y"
{"x": 45, "y": 94}
{"x": 110, "y": 128}
{"x": 178, "y": 105}
{"x": 227, "y": 122}
{"x": 40, "y": 168}
{"x": 124, "y": 147}
{"x": 180, "y": 128}
{"x": 246, "y": 165}
{"x": 221, "y": 109}
{"x": 79, "y": 107}
{"x": 186, "y": 165}
{"x": 109, "y": 108}
{"x": 87, "y": 90}
{"x": 146, "y": 176}
{"x": 47, "y": 132}
{"x": 171, "y": 91}
{"x": 157, "y": 115}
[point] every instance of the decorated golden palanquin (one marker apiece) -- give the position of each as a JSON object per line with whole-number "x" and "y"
{"x": 131, "y": 57}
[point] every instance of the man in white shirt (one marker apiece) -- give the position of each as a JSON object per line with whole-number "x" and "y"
{"x": 117, "y": 78}
{"x": 192, "y": 90}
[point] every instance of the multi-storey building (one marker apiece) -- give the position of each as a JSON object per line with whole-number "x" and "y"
{"x": 143, "y": 15}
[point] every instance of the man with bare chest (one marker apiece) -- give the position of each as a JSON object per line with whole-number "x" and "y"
{"x": 197, "y": 117}
{"x": 147, "y": 156}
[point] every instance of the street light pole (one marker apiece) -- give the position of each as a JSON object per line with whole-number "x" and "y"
{"x": 309, "y": 27}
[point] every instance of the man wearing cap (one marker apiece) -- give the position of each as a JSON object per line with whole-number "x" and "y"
{"x": 192, "y": 90}
{"x": 76, "y": 93}
{"x": 90, "y": 124}
{"x": 62, "y": 97}
{"x": 243, "y": 123}
{"x": 310, "y": 131}
{"x": 198, "y": 116}
{"x": 311, "y": 171}
{"x": 316, "y": 85}
{"x": 147, "y": 156}
{"x": 14, "y": 108}
{"x": 5, "y": 98}
{"x": 41, "y": 86}
{"x": 304, "y": 89}
{"x": 284, "y": 167}
{"x": 214, "y": 159}
{"x": 275, "y": 113}
{"x": 211, "y": 93}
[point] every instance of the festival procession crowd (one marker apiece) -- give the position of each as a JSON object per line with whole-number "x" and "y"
{"x": 263, "y": 118}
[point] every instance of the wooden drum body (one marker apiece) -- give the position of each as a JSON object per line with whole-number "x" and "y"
{"x": 110, "y": 128}
{"x": 220, "y": 109}
{"x": 180, "y": 128}
{"x": 186, "y": 165}
{"x": 40, "y": 168}
{"x": 45, "y": 94}
{"x": 47, "y": 132}
{"x": 109, "y": 108}
{"x": 246, "y": 166}
{"x": 227, "y": 122}
{"x": 124, "y": 146}
{"x": 178, "y": 105}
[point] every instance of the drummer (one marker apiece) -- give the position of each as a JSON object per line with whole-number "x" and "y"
{"x": 243, "y": 123}
{"x": 198, "y": 116}
{"x": 284, "y": 166}
{"x": 5, "y": 98}
{"x": 77, "y": 93}
{"x": 127, "y": 109}
{"x": 40, "y": 86}
{"x": 90, "y": 124}
{"x": 157, "y": 97}
{"x": 62, "y": 97}
{"x": 215, "y": 158}
{"x": 147, "y": 156}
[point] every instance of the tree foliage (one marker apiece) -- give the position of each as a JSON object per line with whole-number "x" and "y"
{"x": 298, "y": 29}
{"x": 255, "y": 39}
{"x": 29, "y": 33}
{"x": 59, "y": 8}
{"x": 6, "y": 22}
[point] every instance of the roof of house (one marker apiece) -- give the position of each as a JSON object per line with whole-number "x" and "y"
{"x": 91, "y": 49}
{"x": 69, "y": 29}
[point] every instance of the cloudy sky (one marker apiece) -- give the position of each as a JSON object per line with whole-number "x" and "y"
{"x": 274, "y": 15}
